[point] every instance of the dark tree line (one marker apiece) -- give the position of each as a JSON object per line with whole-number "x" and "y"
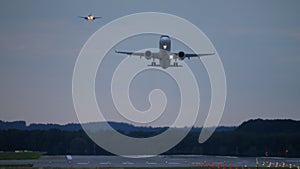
{"x": 236, "y": 143}
{"x": 52, "y": 141}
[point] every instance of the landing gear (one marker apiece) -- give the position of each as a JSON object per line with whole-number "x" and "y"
{"x": 176, "y": 63}
{"x": 153, "y": 63}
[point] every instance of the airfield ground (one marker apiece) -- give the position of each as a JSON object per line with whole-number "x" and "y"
{"x": 29, "y": 167}
{"x": 20, "y": 155}
{"x": 157, "y": 162}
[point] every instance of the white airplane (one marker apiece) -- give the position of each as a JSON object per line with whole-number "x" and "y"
{"x": 164, "y": 55}
{"x": 90, "y": 17}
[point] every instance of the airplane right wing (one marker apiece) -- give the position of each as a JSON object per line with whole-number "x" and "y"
{"x": 130, "y": 53}
{"x": 147, "y": 54}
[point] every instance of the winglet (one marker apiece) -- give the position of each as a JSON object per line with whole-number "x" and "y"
{"x": 117, "y": 51}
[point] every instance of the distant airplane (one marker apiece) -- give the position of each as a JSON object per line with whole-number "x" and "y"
{"x": 164, "y": 55}
{"x": 90, "y": 17}
{"x": 69, "y": 157}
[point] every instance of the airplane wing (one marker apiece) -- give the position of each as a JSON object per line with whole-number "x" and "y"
{"x": 140, "y": 54}
{"x": 97, "y": 17}
{"x": 130, "y": 53}
{"x": 83, "y": 17}
{"x": 191, "y": 55}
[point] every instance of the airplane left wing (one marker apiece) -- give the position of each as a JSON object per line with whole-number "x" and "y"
{"x": 190, "y": 55}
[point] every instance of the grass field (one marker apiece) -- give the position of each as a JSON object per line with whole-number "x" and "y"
{"x": 20, "y": 155}
{"x": 17, "y": 166}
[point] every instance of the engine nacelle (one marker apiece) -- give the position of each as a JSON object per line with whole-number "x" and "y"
{"x": 181, "y": 55}
{"x": 148, "y": 54}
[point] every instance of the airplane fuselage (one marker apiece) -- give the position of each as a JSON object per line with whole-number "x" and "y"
{"x": 90, "y": 17}
{"x": 164, "y": 51}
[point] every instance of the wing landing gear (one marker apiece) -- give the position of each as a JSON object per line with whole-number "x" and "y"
{"x": 175, "y": 63}
{"x": 153, "y": 63}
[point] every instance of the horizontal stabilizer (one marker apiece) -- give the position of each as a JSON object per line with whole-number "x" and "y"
{"x": 168, "y": 66}
{"x": 175, "y": 66}
{"x": 154, "y": 65}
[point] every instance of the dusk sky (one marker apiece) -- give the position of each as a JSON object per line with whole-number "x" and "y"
{"x": 257, "y": 41}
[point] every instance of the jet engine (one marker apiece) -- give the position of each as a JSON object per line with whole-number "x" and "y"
{"x": 148, "y": 54}
{"x": 181, "y": 55}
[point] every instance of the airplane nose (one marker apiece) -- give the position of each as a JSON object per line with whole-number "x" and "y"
{"x": 165, "y": 46}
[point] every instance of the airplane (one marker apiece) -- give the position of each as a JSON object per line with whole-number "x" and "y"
{"x": 164, "y": 55}
{"x": 90, "y": 17}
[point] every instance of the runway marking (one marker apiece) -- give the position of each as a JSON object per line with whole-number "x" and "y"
{"x": 151, "y": 163}
{"x": 105, "y": 163}
{"x": 82, "y": 163}
{"x": 173, "y": 163}
{"x": 127, "y": 163}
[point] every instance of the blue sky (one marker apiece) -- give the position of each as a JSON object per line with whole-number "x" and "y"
{"x": 258, "y": 43}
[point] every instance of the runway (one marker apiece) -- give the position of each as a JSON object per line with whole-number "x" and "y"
{"x": 158, "y": 161}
